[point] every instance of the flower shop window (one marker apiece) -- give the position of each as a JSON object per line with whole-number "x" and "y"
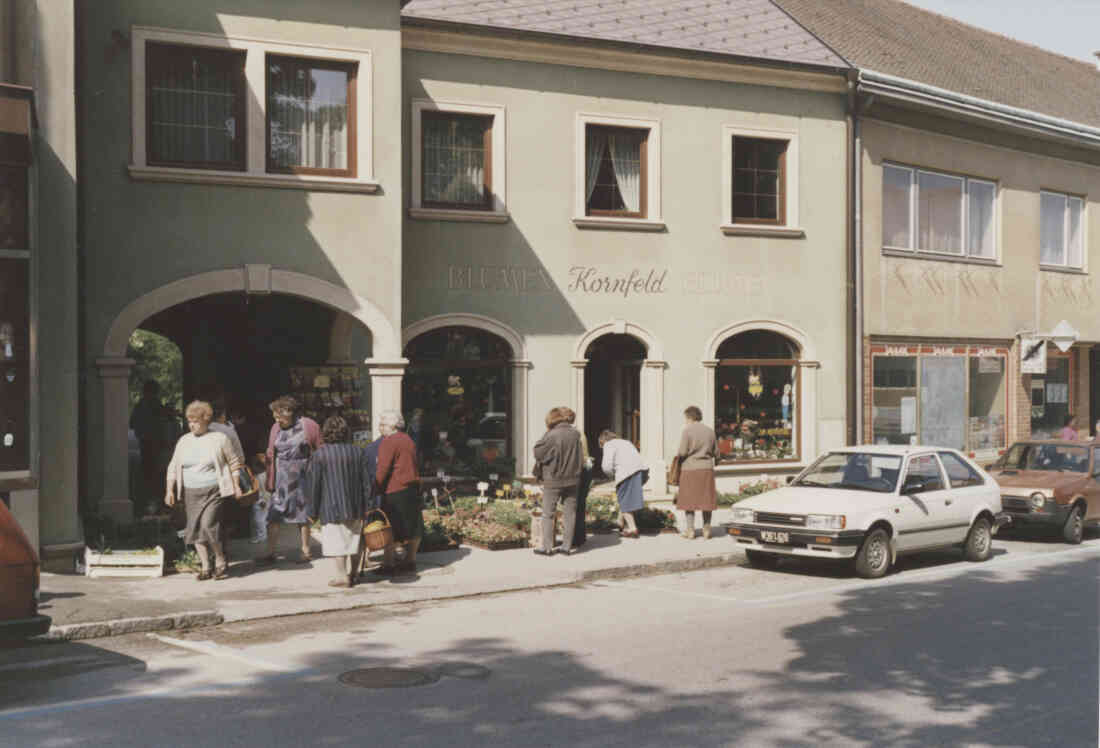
{"x": 757, "y": 396}
{"x": 924, "y": 397}
{"x": 457, "y": 394}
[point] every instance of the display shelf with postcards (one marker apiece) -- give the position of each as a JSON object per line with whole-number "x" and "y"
{"x": 334, "y": 390}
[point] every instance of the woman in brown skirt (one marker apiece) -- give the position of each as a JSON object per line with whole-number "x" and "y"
{"x": 698, "y": 449}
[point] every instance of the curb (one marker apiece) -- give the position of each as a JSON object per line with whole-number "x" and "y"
{"x": 198, "y": 619}
{"x": 119, "y": 626}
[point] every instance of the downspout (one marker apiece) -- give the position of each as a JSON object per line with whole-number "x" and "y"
{"x": 857, "y": 261}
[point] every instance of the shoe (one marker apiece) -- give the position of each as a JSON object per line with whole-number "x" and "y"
{"x": 688, "y": 534}
{"x": 221, "y": 572}
{"x": 204, "y": 575}
{"x": 565, "y": 551}
{"x": 305, "y": 558}
{"x": 541, "y": 552}
{"x": 706, "y": 532}
{"x": 265, "y": 560}
{"x": 408, "y": 567}
{"x": 339, "y": 583}
{"x": 629, "y": 534}
{"x": 385, "y": 571}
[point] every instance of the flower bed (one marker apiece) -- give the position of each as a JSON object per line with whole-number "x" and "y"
{"x": 495, "y": 526}
{"x": 652, "y": 520}
{"x": 601, "y": 515}
{"x": 438, "y": 533}
{"x": 747, "y": 490}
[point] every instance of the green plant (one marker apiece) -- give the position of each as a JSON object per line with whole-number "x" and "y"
{"x": 188, "y": 561}
{"x": 493, "y": 532}
{"x": 507, "y": 513}
{"x": 438, "y": 532}
{"x": 601, "y": 514}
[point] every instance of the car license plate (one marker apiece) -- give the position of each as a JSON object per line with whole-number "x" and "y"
{"x": 771, "y": 536}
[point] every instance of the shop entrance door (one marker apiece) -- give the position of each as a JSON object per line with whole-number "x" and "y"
{"x": 612, "y": 390}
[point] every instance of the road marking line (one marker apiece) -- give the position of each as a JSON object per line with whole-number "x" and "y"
{"x": 227, "y": 653}
{"x": 953, "y": 569}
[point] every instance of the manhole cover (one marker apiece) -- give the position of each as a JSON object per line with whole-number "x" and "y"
{"x": 387, "y": 677}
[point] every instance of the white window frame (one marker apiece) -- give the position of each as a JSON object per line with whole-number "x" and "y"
{"x": 653, "y": 220}
{"x": 499, "y": 213}
{"x": 255, "y": 173}
{"x": 791, "y": 227}
{"x": 1083, "y": 267}
{"x": 914, "y": 216}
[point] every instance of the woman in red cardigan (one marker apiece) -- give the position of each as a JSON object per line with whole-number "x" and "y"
{"x": 399, "y": 482}
{"x": 293, "y": 439}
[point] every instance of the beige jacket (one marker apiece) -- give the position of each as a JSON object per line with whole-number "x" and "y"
{"x": 222, "y": 454}
{"x": 698, "y": 447}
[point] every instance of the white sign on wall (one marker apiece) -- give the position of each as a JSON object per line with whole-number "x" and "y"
{"x": 1033, "y": 356}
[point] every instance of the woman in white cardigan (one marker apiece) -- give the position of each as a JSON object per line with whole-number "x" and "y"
{"x": 205, "y": 469}
{"x": 621, "y": 460}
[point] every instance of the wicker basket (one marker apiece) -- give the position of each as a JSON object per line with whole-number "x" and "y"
{"x": 377, "y": 535}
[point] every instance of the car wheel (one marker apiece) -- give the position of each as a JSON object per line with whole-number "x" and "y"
{"x": 873, "y": 559}
{"x": 979, "y": 541}
{"x": 762, "y": 560}
{"x": 1074, "y": 529}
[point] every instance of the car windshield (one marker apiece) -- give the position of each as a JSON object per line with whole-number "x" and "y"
{"x": 1032, "y": 456}
{"x": 860, "y": 471}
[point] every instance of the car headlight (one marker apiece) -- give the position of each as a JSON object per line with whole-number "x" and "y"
{"x": 825, "y": 521}
{"x": 743, "y": 515}
{"x": 1038, "y": 501}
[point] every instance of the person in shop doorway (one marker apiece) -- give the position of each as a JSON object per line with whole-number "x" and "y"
{"x": 621, "y": 460}
{"x": 292, "y": 441}
{"x": 697, "y": 452}
{"x": 152, "y": 424}
{"x": 1069, "y": 429}
{"x": 558, "y": 459}
{"x": 338, "y": 485}
{"x": 203, "y": 472}
{"x": 399, "y": 485}
{"x": 585, "y": 482}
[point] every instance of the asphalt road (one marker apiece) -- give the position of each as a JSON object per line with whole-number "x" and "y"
{"x": 941, "y": 652}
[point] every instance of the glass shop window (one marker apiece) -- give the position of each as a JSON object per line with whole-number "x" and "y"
{"x": 946, "y": 401}
{"x": 757, "y": 398}
{"x": 457, "y": 394}
{"x": 1050, "y": 398}
{"x": 14, "y": 366}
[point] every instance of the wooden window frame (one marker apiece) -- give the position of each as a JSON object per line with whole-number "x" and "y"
{"x": 781, "y": 184}
{"x": 643, "y": 174}
{"x": 1065, "y": 264}
{"x": 241, "y": 110}
{"x": 488, "y": 201}
{"x": 352, "y": 70}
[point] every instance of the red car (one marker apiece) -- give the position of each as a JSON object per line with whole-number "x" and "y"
{"x": 20, "y": 574}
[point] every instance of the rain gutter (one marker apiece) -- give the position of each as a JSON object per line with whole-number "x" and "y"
{"x": 892, "y": 87}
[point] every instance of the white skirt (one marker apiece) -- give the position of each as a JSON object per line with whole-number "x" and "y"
{"x": 341, "y": 538}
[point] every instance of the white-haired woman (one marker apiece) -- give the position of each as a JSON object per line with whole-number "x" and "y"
{"x": 399, "y": 484}
{"x": 205, "y": 470}
{"x": 622, "y": 461}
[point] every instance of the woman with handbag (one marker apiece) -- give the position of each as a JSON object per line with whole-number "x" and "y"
{"x": 697, "y": 452}
{"x": 293, "y": 439}
{"x": 338, "y": 483}
{"x": 205, "y": 470}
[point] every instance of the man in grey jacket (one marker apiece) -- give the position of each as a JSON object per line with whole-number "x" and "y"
{"x": 560, "y": 458}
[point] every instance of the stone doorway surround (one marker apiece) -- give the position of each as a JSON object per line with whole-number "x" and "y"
{"x": 519, "y": 362}
{"x": 386, "y": 366}
{"x": 652, "y": 385}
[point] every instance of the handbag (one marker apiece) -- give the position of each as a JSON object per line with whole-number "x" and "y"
{"x": 673, "y": 477}
{"x": 536, "y": 472}
{"x": 250, "y": 487}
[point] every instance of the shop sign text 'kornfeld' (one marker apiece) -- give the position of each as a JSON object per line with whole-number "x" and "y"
{"x": 589, "y": 279}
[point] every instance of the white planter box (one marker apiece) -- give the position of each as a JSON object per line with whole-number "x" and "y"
{"x": 124, "y": 563}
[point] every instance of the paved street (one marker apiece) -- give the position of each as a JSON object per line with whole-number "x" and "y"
{"x": 942, "y": 652}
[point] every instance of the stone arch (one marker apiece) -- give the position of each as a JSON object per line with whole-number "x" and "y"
{"x": 464, "y": 319}
{"x": 792, "y": 333}
{"x": 654, "y": 349}
{"x": 252, "y": 279}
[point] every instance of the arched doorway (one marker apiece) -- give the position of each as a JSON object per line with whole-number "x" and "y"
{"x": 243, "y": 286}
{"x": 613, "y": 389}
{"x": 458, "y": 396}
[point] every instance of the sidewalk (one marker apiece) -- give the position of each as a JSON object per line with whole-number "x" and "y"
{"x": 84, "y": 608}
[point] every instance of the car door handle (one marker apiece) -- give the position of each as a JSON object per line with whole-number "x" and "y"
{"x": 948, "y": 502}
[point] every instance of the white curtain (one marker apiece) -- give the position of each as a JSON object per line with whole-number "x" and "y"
{"x": 627, "y": 162}
{"x": 308, "y": 117}
{"x": 593, "y": 150}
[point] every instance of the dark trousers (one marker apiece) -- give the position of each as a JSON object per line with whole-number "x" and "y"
{"x": 550, "y": 497}
{"x": 583, "y": 485}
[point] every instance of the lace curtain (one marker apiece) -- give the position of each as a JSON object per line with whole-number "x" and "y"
{"x": 454, "y": 159}
{"x": 624, "y": 150}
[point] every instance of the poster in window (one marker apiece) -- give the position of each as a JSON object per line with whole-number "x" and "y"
{"x": 1057, "y": 393}
{"x": 908, "y": 415}
{"x": 989, "y": 365}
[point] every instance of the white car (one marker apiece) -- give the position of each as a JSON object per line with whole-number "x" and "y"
{"x": 872, "y": 503}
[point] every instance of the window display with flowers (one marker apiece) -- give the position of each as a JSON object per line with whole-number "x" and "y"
{"x": 757, "y": 398}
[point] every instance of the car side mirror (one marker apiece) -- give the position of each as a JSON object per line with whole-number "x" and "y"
{"x": 914, "y": 484}
{"x": 790, "y": 479}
